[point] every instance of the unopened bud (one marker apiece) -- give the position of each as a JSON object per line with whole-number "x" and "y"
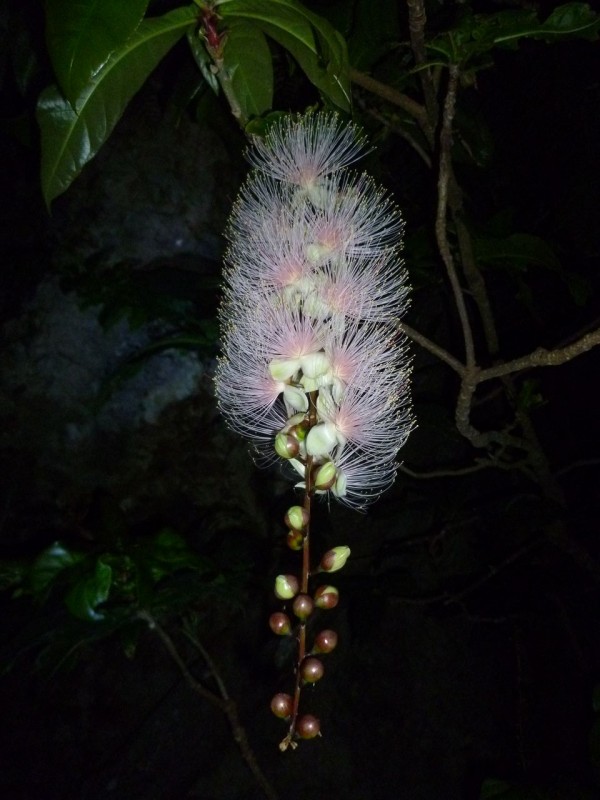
{"x": 312, "y": 670}
{"x": 286, "y": 587}
{"x": 282, "y": 705}
{"x": 325, "y": 642}
{"x": 296, "y": 518}
{"x": 295, "y": 540}
{"x": 327, "y": 597}
{"x": 303, "y": 606}
{"x": 307, "y": 727}
{"x": 286, "y": 446}
{"x": 299, "y": 430}
{"x": 325, "y": 476}
{"x": 280, "y": 623}
{"x": 335, "y": 559}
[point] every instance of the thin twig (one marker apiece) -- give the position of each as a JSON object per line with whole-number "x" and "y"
{"x": 432, "y": 347}
{"x": 440, "y": 222}
{"x": 417, "y": 20}
{"x": 416, "y": 110}
{"x": 227, "y": 706}
{"x": 451, "y": 473}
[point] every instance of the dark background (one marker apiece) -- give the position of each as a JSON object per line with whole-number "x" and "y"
{"x": 469, "y": 644}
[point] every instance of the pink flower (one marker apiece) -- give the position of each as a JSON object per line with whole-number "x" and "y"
{"x": 303, "y": 149}
{"x": 313, "y": 289}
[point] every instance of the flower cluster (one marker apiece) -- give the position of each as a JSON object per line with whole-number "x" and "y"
{"x": 314, "y": 368}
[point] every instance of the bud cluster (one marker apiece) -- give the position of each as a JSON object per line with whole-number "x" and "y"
{"x": 302, "y": 606}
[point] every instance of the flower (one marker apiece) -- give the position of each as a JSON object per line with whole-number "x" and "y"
{"x": 314, "y": 369}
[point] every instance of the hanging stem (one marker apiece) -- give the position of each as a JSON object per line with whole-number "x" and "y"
{"x": 288, "y": 741}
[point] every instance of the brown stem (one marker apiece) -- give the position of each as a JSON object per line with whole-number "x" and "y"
{"x": 288, "y": 740}
{"x": 432, "y": 347}
{"x": 417, "y": 19}
{"x": 440, "y": 223}
{"x": 403, "y": 101}
{"x": 224, "y": 704}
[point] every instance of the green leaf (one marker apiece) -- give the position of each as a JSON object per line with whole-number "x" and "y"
{"x": 82, "y": 34}
{"x": 317, "y": 47}
{"x": 247, "y": 59}
{"x": 476, "y": 34}
{"x": 49, "y": 564}
{"x": 72, "y": 138}
{"x": 89, "y": 592}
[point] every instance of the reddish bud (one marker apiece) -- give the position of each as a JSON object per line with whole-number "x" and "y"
{"x": 327, "y": 597}
{"x": 280, "y": 623}
{"x": 312, "y": 670}
{"x": 286, "y": 446}
{"x": 307, "y": 727}
{"x": 335, "y": 559}
{"x": 325, "y": 642}
{"x": 295, "y": 540}
{"x": 282, "y": 705}
{"x": 303, "y": 606}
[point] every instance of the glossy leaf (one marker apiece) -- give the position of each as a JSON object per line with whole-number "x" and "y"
{"x": 82, "y": 34}
{"x": 89, "y": 592}
{"x": 317, "y": 47}
{"x": 49, "y": 564}
{"x": 247, "y": 58}
{"x": 476, "y": 34}
{"x": 69, "y": 138}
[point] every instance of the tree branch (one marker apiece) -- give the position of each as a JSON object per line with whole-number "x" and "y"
{"x": 440, "y": 223}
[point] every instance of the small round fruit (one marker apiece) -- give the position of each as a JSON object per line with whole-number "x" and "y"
{"x": 307, "y": 727}
{"x": 325, "y": 642}
{"x": 282, "y": 705}
{"x": 303, "y": 606}
{"x": 312, "y": 670}
{"x": 280, "y": 623}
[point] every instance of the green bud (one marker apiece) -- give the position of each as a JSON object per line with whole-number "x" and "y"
{"x": 325, "y": 476}
{"x": 335, "y": 559}
{"x": 286, "y": 446}
{"x": 286, "y": 586}
{"x": 296, "y": 518}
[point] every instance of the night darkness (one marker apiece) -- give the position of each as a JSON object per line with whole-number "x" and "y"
{"x": 470, "y": 609}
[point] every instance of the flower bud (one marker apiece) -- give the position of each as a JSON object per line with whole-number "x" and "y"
{"x": 299, "y": 430}
{"x": 282, "y": 705}
{"x": 307, "y": 727}
{"x": 315, "y": 364}
{"x": 280, "y": 623}
{"x": 335, "y": 559}
{"x": 286, "y": 446}
{"x": 321, "y": 439}
{"x": 286, "y": 587}
{"x": 295, "y": 540}
{"x": 312, "y": 670}
{"x": 296, "y": 518}
{"x": 327, "y": 597}
{"x": 303, "y": 606}
{"x": 325, "y": 476}
{"x": 325, "y": 642}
